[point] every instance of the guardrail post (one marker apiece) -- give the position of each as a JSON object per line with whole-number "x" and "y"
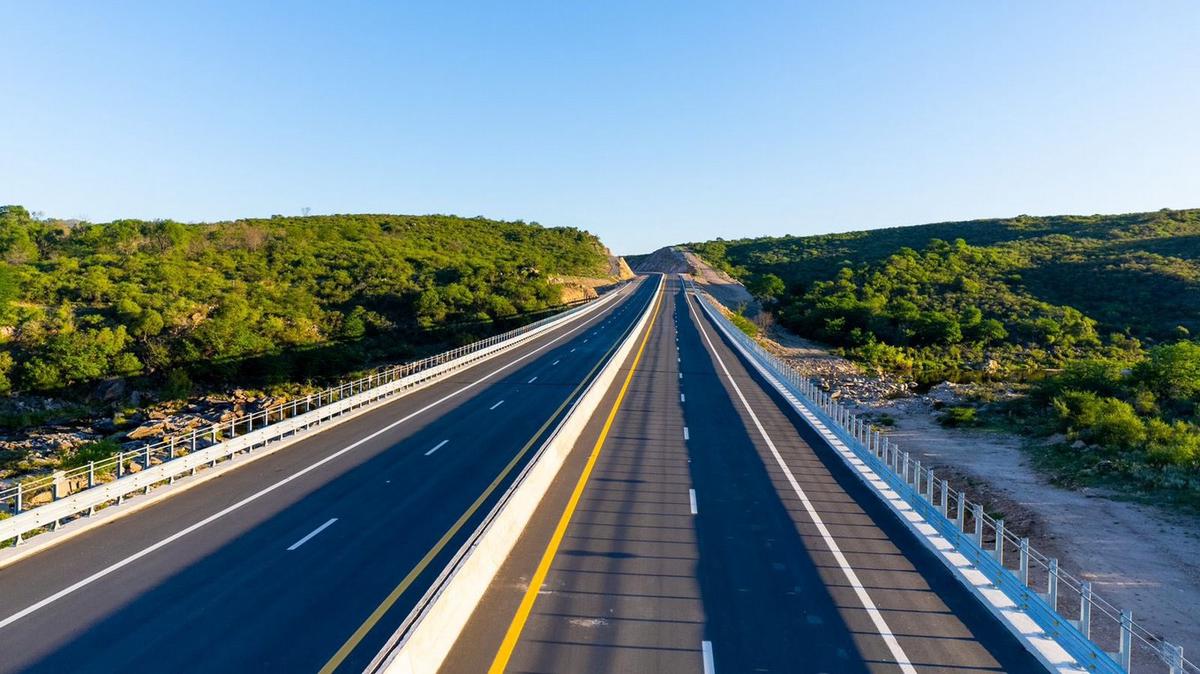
{"x": 120, "y": 472}
{"x": 904, "y": 474}
{"x": 977, "y": 513}
{"x": 1024, "y": 562}
{"x": 1000, "y": 541}
{"x": 1126, "y": 652}
{"x": 147, "y": 467}
{"x": 1052, "y": 586}
{"x": 20, "y": 501}
{"x": 1085, "y": 609}
{"x": 917, "y": 477}
{"x": 1174, "y": 656}
{"x": 91, "y": 483}
{"x": 929, "y": 483}
{"x": 171, "y": 457}
{"x": 944, "y": 508}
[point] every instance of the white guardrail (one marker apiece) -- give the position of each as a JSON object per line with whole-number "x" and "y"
{"x": 43, "y": 504}
{"x": 1100, "y": 637}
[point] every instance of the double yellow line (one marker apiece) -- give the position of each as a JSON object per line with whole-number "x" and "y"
{"x": 500, "y": 662}
{"x": 386, "y": 605}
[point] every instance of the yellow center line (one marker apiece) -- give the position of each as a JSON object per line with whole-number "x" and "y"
{"x": 376, "y": 615}
{"x": 500, "y": 663}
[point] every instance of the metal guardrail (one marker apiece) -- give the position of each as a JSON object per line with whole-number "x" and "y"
{"x": 1034, "y": 581}
{"x": 162, "y": 462}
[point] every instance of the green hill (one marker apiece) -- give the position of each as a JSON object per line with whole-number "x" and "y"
{"x": 284, "y": 297}
{"x": 1097, "y": 313}
{"x": 937, "y": 292}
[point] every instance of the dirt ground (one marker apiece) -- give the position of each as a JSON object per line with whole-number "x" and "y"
{"x": 1138, "y": 557}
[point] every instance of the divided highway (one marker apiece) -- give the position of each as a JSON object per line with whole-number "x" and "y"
{"x": 307, "y": 559}
{"x": 716, "y": 532}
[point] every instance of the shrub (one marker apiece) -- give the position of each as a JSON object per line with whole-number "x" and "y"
{"x": 1105, "y": 421}
{"x": 744, "y": 324}
{"x": 1172, "y": 444}
{"x": 957, "y": 417}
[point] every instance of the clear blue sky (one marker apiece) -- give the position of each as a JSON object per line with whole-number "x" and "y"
{"x": 646, "y": 122}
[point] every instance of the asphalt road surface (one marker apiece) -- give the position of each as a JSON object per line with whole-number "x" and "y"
{"x": 307, "y": 559}
{"x": 718, "y": 533}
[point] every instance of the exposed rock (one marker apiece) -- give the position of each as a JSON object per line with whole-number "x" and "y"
{"x": 47, "y": 443}
{"x": 146, "y": 431}
{"x": 110, "y": 389}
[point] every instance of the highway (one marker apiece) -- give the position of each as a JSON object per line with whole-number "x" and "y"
{"x": 717, "y": 533}
{"x": 307, "y": 559}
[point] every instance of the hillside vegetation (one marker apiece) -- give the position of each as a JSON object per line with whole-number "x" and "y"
{"x": 1098, "y": 313}
{"x": 284, "y": 297}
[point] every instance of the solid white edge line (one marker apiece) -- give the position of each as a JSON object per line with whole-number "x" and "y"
{"x": 437, "y": 447}
{"x": 312, "y": 533}
{"x": 692, "y": 499}
{"x": 115, "y": 566}
{"x": 1048, "y": 651}
{"x": 877, "y": 619}
{"x": 706, "y": 649}
{"x": 496, "y": 405}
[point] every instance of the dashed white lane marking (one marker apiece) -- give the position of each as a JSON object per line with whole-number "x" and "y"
{"x": 572, "y": 351}
{"x": 496, "y": 405}
{"x": 682, "y": 399}
{"x": 692, "y": 498}
{"x": 437, "y": 447}
{"x": 877, "y": 619}
{"x": 554, "y": 363}
{"x": 681, "y": 375}
{"x": 685, "y": 433}
{"x": 706, "y": 648}
{"x": 585, "y": 341}
{"x": 533, "y": 380}
{"x": 312, "y": 533}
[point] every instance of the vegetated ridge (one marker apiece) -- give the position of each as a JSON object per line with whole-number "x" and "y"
{"x": 277, "y": 299}
{"x": 1096, "y": 317}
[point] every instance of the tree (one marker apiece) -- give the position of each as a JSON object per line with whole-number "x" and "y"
{"x": 16, "y": 244}
{"x": 765, "y": 287}
{"x": 1172, "y": 371}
